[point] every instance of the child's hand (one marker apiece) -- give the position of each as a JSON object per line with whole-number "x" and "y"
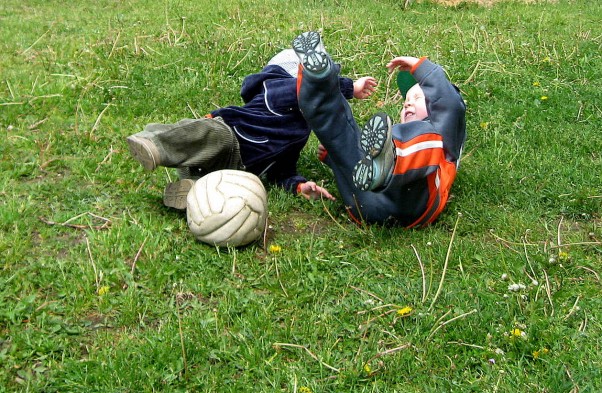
{"x": 310, "y": 190}
{"x": 364, "y": 87}
{"x": 402, "y": 63}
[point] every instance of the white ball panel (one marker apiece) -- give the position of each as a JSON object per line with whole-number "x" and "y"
{"x": 195, "y": 215}
{"x": 214, "y": 198}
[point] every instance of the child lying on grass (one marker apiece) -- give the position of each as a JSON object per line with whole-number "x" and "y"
{"x": 265, "y": 136}
{"x": 400, "y": 174}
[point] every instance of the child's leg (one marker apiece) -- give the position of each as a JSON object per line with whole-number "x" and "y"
{"x": 329, "y": 116}
{"x": 191, "y": 143}
{"x": 323, "y": 106}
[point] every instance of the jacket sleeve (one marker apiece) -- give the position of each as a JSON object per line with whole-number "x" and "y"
{"x": 284, "y": 174}
{"x": 346, "y": 85}
{"x": 445, "y": 106}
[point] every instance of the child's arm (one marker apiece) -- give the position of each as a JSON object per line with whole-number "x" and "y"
{"x": 361, "y": 88}
{"x": 284, "y": 174}
{"x": 364, "y": 87}
{"x": 404, "y": 63}
{"x": 310, "y": 190}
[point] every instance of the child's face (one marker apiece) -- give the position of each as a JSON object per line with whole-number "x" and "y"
{"x": 414, "y": 107}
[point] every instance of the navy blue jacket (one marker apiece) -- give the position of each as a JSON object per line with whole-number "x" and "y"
{"x": 270, "y": 129}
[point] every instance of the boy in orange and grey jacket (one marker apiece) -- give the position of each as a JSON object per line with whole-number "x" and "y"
{"x": 399, "y": 174}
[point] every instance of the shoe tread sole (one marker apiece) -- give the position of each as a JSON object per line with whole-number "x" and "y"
{"x": 375, "y": 137}
{"x": 363, "y": 174}
{"x": 307, "y": 46}
{"x": 175, "y": 194}
{"x": 142, "y": 153}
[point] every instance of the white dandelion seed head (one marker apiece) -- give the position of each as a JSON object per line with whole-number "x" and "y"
{"x": 516, "y": 287}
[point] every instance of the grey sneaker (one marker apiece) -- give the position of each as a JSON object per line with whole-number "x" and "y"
{"x": 310, "y": 50}
{"x": 375, "y": 169}
{"x": 144, "y": 151}
{"x": 175, "y": 193}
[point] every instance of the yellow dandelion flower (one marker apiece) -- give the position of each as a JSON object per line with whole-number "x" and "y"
{"x": 275, "y": 248}
{"x": 484, "y": 125}
{"x": 543, "y": 98}
{"x": 367, "y": 368}
{"x": 304, "y": 389}
{"x": 563, "y": 256}
{"x": 402, "y": 312}
{"x": 536, "y": 83}
{"x": 103, "y": 290}
{"x": 516, "y": 333}
{"x": 538, "y": 354}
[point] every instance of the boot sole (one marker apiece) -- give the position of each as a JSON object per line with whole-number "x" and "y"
{"x": 375, "y": 135}
{"x": 143, "y": 151}
{"x": 176, "y": 193}
{"x": 375, "y": 138}
{"x": 363, "y": 174}
{"x": 308, "y": 47}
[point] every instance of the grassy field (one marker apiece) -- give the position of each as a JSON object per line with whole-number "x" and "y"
{"x": 103, "y": 289}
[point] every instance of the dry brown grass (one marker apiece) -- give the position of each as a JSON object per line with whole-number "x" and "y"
{"x": 485, "y": 3}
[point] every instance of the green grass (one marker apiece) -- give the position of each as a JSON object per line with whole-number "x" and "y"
{"x": 103, "y": 289}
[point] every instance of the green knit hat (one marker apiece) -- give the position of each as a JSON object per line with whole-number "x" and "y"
{"x": 405, "y": 81}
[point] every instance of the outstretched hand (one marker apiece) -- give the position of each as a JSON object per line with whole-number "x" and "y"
{"x": 364, "y": 87}
{"x": 310, "y": 190}
{"x": 402, "y": 63}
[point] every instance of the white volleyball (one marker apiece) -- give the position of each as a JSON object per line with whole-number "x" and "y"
{"x": 227, "y": 208}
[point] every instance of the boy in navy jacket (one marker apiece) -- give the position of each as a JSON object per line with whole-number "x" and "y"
{"x": 385, "y": 173}
{"x": 265, "y": 136}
